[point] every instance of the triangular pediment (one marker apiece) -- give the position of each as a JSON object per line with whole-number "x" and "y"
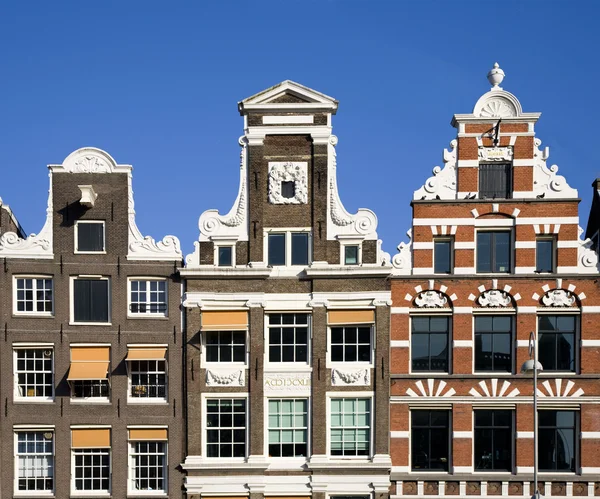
{"x": 289, "y": 92}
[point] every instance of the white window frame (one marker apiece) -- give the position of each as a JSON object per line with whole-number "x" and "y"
{"x": 224, "y": 395}
{"x": 31, "y": 346}
{"x": 289, "y": 396}
{"x": 34, "y": 277}
{"x": 288, "y": 245}
{"x": 92, "y": 493}
{"x": 131, "y": 491}
{"x": 147, "y": 400}
{"x": 351, "y": 395}
{"x": 76, "y": 237}
{"x": 147, "y": 315}
{"x": 511, "y": 232}
{"x": 72, "y": 280}
{"x": 35, "y": 493}
{"x": 351, "y": 364}
{"x": 224, "y": 244}
{"x": 351, "y": 242}
{"x": 288, "y": 366}
{"x": 218, "y": 365}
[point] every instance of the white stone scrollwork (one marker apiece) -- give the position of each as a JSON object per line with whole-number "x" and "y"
{"x": 362, "y": 377}
{"x": 90, "y": 160}
{"x": 289, "y": 171}
{"x": 235, "y": 378}
{"x": 546, "y": 182}
{"x": 340, "y": 222}
{"x": 443, "y": 183}
{"x": 587, "y": 257}
{"x": 558, "y": 298}
{"x": 494, "y": 298}
{"x": 431, "y": 299}
{"x": 402, "y": 261}
{"x": 497, "y": 108}
{"x": 495, "y": 153}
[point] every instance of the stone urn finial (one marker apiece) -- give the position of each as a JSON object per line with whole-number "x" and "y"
{"x": 495, "y": 77}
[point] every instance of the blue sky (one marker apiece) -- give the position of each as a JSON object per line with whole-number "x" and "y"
{"x": 156, "y": 84}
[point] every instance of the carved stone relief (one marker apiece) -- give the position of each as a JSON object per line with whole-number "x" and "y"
{"x": 494, "y": 298}
{"x": 361, "y": 377}
{"x": 559, "y": 298}
{"x": 431, "y": 299}
{"x": 495, "y": 153}
{"x": 290, "y": 171}
{"x": 235, "y": 378}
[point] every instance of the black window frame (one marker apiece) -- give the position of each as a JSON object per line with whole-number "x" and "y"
{"x": 450, "y": 242}
{"x": 431, "y": 431}
{"x": 542, "y": 342}
{"x": 548, "y": 433}
{"x": 495, "y": 192}
{"x": 492, "y": 252}
{"x": 552, "y": 241}
{"x": 224, "y": 346}
{"x": 415, "y": 318}
{"x": 90, "y": 223}
{"x": 227, "y": 426}
{"x": 498, "y": 440}
{"x": 276, "y": 350}
{"x": 478, "y": 331}
{"x": 350, "y": 349}
{"x": 76, "y": 284}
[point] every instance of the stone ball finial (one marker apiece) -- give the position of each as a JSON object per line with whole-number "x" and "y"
{"x": 495, "y": 76}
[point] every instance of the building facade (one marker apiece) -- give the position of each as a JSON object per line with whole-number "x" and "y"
{"x": 494, "y": 255}
{"x": 287, "y": 305}
{"x": 92, "y": 397}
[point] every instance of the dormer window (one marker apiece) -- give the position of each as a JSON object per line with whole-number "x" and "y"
{"x": 495, "y": 181}
{"x": 287, "y": 248}
{"x": 89, "y": 237}
{"x": 288, "y": 189}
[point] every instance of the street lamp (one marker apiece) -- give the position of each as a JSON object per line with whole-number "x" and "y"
{"x": 533, "y": 366}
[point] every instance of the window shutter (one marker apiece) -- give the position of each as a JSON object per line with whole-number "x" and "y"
{"x": 82, "y": 300}
{"x": 99, "y": 301}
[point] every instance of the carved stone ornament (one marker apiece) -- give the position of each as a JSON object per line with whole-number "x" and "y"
{"x": 362, "y": 377}
{"x": 402, "y": 261}
{"x": 587, "y": 258}
{"x": 494, "y": 298}
{"x": 496, "y": 153}
{"x": 498, "y": 108}
{"x": 546, "y": 182}
{"x": 235, "y": 378}
{"x": 431, "y": 299}
{"x": 443, "y": 183}
{"x": 290, "y": 171}
{"x": 559, "y": 298}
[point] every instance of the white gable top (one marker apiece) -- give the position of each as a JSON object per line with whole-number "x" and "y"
{"x": 264, "y": 100}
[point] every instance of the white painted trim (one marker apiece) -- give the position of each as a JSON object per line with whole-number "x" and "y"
{"x": 462, "y": 469}
{"x": 522, "y": 343}
{"x": 590, "y": 434}
{"x": 523, "y": 162}
{"x": 588, "y": 470}
{"x": 590, "y": 343}
{"x": 399, "y": 343}
{"x": 400, "y": 310}
{"x": 463, "y": 310}
{"x": 524, "y": 469}
{"x": 495, "y": 222}
{"x": 462, "y": 343}
{"x": 399, "y": 434}
{"x": 526, "y": 310}
{"x": 422, "y": 270}
{"x": 590, "y": 309}
{"x": 464, "y": 245}
{"x": 464, "y": 270}
{"x": 288, "y": 120}
{"x": 462, "y": 434}
{"x": 525, "y": 270}
{"x": 524, "y": 434}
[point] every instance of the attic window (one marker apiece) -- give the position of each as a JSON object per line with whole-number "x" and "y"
{"x": 288, "y": 189}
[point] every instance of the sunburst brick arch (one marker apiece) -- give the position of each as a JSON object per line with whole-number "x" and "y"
{"x": 493, "y": 390}
{"x": 431, "y": 389}
{"x": 558, "y": 390}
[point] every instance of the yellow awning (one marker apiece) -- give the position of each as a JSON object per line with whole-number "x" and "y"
{"x": 81, "y": 371}
{"x": 83, "y": 354}
{"x": 90, "y": 438}
{"x": 345, "y": 317}
{"x": 141, "y": 353}
{"x": 231, "y": 320}
{"x": 148, "y": 434}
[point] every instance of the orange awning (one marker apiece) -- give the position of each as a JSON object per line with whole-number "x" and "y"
{"x": 90, "y": 438}
{"x": 148, "y": 434}
{"x": 221, "y": 320}
{"x": 344, "y": 317}
{"x": 142, "y": 353}
{"x": 81, "y": 371}
{"x": 83, "y": 354}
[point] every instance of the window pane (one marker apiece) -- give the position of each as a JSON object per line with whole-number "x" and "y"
{"x": 299, "y": 248}
{"x": 557, "y": 443}
{"x": 430, "y": 440}
{"x": 225, "y": 253}
{"x": 442, "y": 257}
{"x": 544, "y": 255}
{"x": 495, "y": 181}
{"x": 351, "y": 255}
{"x": 90, "y": 236}
{"x": 276, "y": 249}
{"x": 484, "y": 252}
{"x": 502, "y": 251}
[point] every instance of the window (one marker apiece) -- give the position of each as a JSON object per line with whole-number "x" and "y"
{"x": 148, "y": 297}
{"x": 556, "y": 342}
{"x": 429, "y": 343}
{"x": 493, "y": 251}
{"x": 287, "y": 248}
{"x": 494, "y": 440}
{"x": 88, "y": 372}
{"x": 493, "y": 343}
{"x": 90, "y": 300}
{"x": 288, "y": 427}
{"x": 35, "y": 462}
{"x": 351, "y": 344}
{"x": 96, "y": 388}
{"x": 288, "y": 189}
{"x": 544, "y": 254}
{"x": 226, "y": 427}
{"x": 148, "y": 379}
{"x": 33, "y": 296}
{"x": 430, "y": 440}
{"x": 90, "y": 237}
{"x": 351, "y": 255}
{"x": 225, "y": 346}
{"x": 225, "y": 256}
{"x": 34, "y": 373}
{"x": 92, "y": 469}
{"x": 442, "y": 255}
{"x": 148, "y": 466}
{"x": 350, "y": 426}
{"x": 288, "y": 338}
{"x": 557, "y": 445}
{"x": 495, "y": 181}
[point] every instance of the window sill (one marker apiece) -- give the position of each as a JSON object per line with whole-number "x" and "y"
{"x": 103, "y": 252}
{"x": 91, "y": 401}
{"x": 287, "y": 367}
{"x": 217, "y": 366}
{"x": 90, "y": 494}
{"x": 73, "y": 323}
{"x": 34, "y": 315}
{"x": 33, "y": 493}
{"x": 148, "y": 316}
{"x": 146, "y": 401}
{"x": 349, "y": 365}
{"x": 32, "y": 400}
{"x": 151, "y": 493}
{"x": 492, "y": 374}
